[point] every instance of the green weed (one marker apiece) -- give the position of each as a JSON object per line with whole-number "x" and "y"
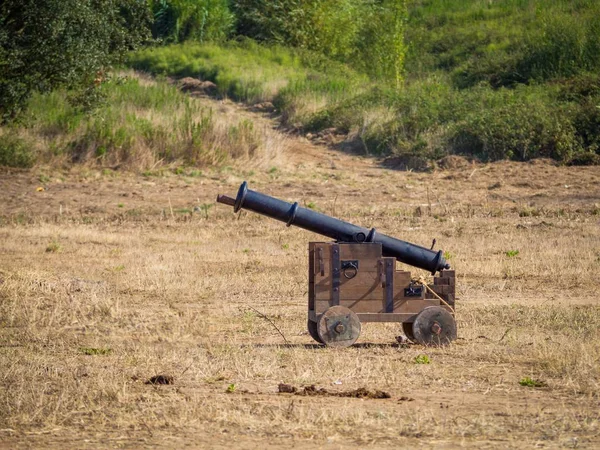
{"x": 92, "y": 351}
{"x": 530, "y": 382}
{"x": 422, "y": 359}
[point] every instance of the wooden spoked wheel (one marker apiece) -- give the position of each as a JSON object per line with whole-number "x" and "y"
{"x": 407, "y": 328}
{"x": 434, "y": 326}
{"x": 312, "y": 330}
{"x": 338, "y": 327}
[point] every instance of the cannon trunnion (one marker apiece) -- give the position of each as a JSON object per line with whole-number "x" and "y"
{"x": 355, "y": 280}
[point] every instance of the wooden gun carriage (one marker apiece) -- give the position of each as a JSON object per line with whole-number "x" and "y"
{"x": 354, "y": 279}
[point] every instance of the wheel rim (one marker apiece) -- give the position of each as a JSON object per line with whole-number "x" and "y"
{"x": 339, "y": 327}
{"x": 434, "y": 326}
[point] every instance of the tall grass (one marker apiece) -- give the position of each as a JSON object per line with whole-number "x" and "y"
{"x": 244, "y": 71}
{"x": 366, "y": 35}
{"x": 199, "y": 20}
{"x": 141, "y": 124}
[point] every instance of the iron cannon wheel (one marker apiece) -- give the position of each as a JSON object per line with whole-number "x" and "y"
{"x": 338, "y": 327}
{"x": 407, "y": 328}
{"x": 434, "y": 326}
{"x": 312, "y": 330}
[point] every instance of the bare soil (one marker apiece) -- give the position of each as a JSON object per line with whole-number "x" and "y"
{"x": 151, "y": 269}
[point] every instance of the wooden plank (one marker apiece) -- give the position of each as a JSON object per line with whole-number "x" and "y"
{"x": 386, "y": 317}
{"x": 379, "y": 306}
{"x": 365, "y": 285}
{"x": 322, "y": 259}
{"x": 414, "y": 306}
{"x": 355, "y": 305}
{"x": 439, "y": 281}
{"x": 401, "y": 281}
{"x": 368, "y": 254}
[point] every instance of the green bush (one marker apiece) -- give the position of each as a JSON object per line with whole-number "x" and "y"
{"x": 504, "y": 43}
{"x": 15, "y": 151}
{"x": 244, "y": 71}
{"x": 369, "y": 36}
{"x": 519, "y": 131}
{"x": 62, "y": 43}
{"x": 197, "y": 20}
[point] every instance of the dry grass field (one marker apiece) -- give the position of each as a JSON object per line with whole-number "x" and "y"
{"x": 108, "y": 279}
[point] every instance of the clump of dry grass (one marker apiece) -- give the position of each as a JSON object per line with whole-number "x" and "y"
{"x": 144, "y": 124}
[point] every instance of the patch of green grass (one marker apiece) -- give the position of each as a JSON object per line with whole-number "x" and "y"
{"x": 243, "y": 71}
{"x": 511, "y": 253}
{"x": 92, "y": 351}
{"x": 231, "y": 388}
{"x": 422, "y": 359}
{"x": 530, "y": 382}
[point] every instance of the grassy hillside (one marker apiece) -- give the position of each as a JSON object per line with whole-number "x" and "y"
{"x": 140, "y": 125}
{"x": 510, "y": 79}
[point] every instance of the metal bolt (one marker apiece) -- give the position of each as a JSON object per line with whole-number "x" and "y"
{"x": 436, "y": 328}
{"x": 339, "y": 328}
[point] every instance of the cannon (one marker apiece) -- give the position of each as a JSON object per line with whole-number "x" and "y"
{"x": 355, "y": 279}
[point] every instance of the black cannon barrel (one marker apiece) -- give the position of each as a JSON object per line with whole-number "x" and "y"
{"x": 341, "y": 231}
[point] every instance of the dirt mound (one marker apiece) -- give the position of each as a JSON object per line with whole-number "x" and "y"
{"x": 312, "y": 391}
{"x": 196, "y": 86}
{"x": 161, "y": 379}
{"x": 453, "y": 162}
{"x": 408, "y": 163}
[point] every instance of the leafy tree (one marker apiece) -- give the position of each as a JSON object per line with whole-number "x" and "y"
{"x": 368, "y": 34}
{"x": 45, "y": 44}
{"x": 199, "y": 20}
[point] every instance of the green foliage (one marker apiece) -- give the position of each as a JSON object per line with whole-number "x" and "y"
{"x": 422, "y": 359}
{"x": 516, "y": 79}
{"x": 15, "y": 151}
{"x": 381, "y": 45}
{"x": 512, "y": 253}
{"x": 368, "y": 35}
{"x": 45, "y": 45}
{"x": 243, "y": 71}
{"x": 136, "y": 126}
{"x": 197, "y": 20}
{"x": 504, "y": 43}
{"x": 530, "y": 382}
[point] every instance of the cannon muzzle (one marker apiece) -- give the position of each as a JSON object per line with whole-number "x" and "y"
{"x": 293, "y": 214}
